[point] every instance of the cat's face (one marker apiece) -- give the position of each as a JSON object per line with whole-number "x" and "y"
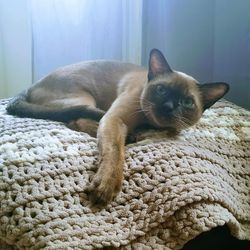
{"x": 173, "y": 99}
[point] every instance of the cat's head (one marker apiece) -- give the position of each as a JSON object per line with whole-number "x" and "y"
{"x": 173, "y": 99}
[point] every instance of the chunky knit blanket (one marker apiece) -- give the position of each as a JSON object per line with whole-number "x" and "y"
{"x": 173, "y": 189}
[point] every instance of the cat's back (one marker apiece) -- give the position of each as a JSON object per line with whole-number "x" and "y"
{"x": 94, "y": 69}
{"x": 87, "y": 74}
{"x": 100, "y": 78}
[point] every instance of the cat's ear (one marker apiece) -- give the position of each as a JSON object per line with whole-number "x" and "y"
{"x": 157, "y": 64}
{"x": 212, "y": 92}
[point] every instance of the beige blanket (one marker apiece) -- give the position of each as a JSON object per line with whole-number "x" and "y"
{"x": 173, "y": 190}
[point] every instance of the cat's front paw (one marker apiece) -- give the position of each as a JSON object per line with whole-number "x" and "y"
{"x": 104, "y": 187}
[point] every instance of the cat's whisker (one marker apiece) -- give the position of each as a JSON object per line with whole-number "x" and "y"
{"x": 179, "y": 125}
{"x": 146, "y": 111}
{"x": 137, "y": 112}
{"x": 187, "y": 121}
{"x": 184, "y": 124}
{"x": 181, "y": 121}
{"x": 135, "y": 101}
{"x": 148, "y": 102}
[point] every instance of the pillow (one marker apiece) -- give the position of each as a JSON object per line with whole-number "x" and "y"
{"x": 173, "y": 190}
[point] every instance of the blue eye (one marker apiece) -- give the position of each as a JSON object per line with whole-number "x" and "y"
{"x": 161, "y": 90}
{"x": 187, "y": 102}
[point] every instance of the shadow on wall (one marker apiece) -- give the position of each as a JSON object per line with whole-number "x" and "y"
{"x": 209, "y": 40}
{"x": 239, "y": 91}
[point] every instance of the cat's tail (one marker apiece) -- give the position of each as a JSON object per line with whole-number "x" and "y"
{"x": 19, "y": 106}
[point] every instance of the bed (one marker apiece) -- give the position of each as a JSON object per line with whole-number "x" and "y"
{"x": 174, "y": 188}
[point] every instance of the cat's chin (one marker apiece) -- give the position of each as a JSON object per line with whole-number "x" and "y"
{"x": 159, "y": 122}
{"x": 165, "y": 122}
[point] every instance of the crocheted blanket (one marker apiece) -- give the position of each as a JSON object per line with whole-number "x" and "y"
{"x": 173, "y": 189}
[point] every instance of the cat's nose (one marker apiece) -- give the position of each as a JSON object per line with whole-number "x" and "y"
{"x": 168, "y": 106}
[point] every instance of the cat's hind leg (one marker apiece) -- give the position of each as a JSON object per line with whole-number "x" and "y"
{"x": 84, "y": 125}
{"x": 88, "y": 125}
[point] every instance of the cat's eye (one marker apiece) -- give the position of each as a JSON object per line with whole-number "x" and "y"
{"x": 187, "y": 102}
{"x": 161, "y": 90}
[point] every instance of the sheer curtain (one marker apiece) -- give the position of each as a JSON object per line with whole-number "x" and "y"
{"x": 66, "y": 31}
{"x": 41, "y": 35}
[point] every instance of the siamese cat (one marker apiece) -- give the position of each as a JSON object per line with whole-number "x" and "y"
{"x": 121, "y": 97}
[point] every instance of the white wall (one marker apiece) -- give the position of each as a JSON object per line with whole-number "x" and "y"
{"x": 15, "y": 44}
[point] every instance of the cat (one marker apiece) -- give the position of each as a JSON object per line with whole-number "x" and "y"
{"x": 121, "y": 97}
